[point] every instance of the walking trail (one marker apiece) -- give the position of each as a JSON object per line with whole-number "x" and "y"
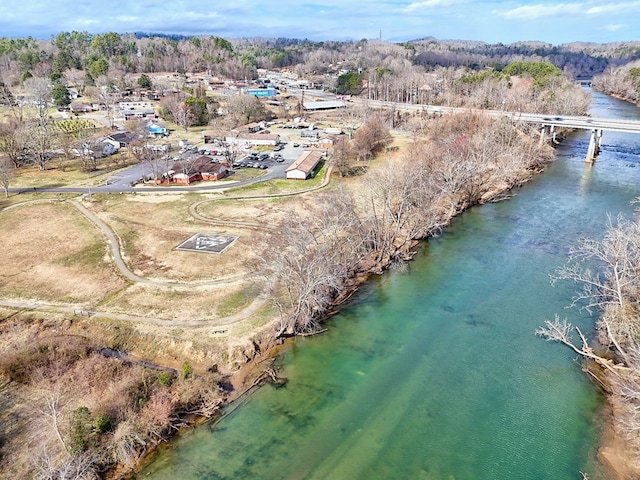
{"x": 114, "y": 246}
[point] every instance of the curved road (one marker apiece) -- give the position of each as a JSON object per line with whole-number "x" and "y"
{"x": 127, "y": 273}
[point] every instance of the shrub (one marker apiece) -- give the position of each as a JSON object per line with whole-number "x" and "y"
{"x": 185, "y": 371}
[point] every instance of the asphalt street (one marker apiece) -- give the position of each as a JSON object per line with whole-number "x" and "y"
{"x": 122, "y": 180}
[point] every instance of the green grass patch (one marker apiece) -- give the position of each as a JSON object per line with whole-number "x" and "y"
{"x": 90, "y": 257}
{"x": 280, "y": 186}
{"x": 236, "y": 301}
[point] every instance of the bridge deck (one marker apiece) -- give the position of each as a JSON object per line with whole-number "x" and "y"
{"x": 585, "y": 123}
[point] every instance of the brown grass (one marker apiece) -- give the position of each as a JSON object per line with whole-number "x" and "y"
{"x": 58, "y": 256}
{"x": 54, "y": 254}
{"x": 150, "y": 233}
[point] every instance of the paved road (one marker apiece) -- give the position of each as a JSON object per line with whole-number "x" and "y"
{"x": 121, "y": 181}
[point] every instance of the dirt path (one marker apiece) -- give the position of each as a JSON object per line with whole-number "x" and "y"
{"x": 114, "y": 246}
{"x": 124, "y": 269}
{"x": 48, "y": 307}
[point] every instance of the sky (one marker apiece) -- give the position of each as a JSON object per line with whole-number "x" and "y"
{"x": 554, "y": 22}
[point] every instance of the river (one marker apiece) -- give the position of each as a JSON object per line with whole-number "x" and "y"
{"x": 435, "y": 373}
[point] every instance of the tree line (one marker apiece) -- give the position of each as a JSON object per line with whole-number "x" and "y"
{"x": 345, "y": 235}
{"x": 116, "y": 54}
{"x": 622, "y": 81}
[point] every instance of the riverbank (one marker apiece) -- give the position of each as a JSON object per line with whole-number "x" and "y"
{"x": 476, "y": 185}
{"x": 243, "y": 378}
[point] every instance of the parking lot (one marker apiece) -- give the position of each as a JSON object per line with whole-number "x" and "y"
{"x": 273, "y": 162}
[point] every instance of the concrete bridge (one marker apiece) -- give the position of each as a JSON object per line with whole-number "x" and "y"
{"x": 596, "y": 125}
{"x": 548, "y": 123}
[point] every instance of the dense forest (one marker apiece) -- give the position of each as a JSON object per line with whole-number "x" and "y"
{"x": 83, "y": 57}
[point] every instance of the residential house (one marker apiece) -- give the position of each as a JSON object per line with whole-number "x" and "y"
{"x": 155, "y": 130}
{"x": 121, "y": 139}
{"x": 200, "y": 168}
{"x": 254, "y": 127}
{"x": 327, "y": 141}
{"x": 215, "y": 171}
{"x": 137, "y": 110}
{"x": 79, "y": 107}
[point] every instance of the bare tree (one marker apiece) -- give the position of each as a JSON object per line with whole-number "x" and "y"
{"x": 242, "y": 109}
{"x": 341, "y": 156}
{"x": 560, "y": 331}
{"x": 7, "y": 171}
{"x": 8, "y": 98}
{"x": 52, "y": 410}
{"x": 88, "y": 150}
{"x": 109, "y": 96}
{"x": 370, "y": 137}
{"x": 39, "y": 91}
{"x": 614, "y": 288}
{"x": 71, "y": 467}
{"x": 12, "y": 141}
{"x": 181, "y": 112}
{"x": 38, "y": 141}
{"x": 324, "y": 248}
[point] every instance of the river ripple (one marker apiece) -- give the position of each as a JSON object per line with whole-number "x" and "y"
{"x": 436, "y": 373}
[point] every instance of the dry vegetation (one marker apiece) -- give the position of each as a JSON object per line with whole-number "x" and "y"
{"x": 93, "y": 410}
{"x": 76, "y": 271}
{"x": 68, "y": 408}
{"x": 608, "y": 273}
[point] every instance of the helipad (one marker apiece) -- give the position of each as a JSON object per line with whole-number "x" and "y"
{"x": 207, "y": 243}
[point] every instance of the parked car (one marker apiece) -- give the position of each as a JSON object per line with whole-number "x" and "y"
{"x": 277, "y": 148}
{"x": 296, "y": 144}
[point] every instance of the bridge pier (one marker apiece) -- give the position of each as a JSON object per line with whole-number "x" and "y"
{"x": 594, "y": 145}
{"x": 543, "y": 135}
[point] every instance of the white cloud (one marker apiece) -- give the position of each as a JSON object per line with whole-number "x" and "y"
{"x": 615, "y": 8}
{"x": 428, "y": 4}
{"x": 613, "y": 27}
{"x": 127, "y": 18}
{"x": 532, "y": 12}
{"x": 86, "y": 22}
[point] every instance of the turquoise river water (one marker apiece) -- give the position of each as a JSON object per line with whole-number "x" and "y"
{"x": 436, "y": 373}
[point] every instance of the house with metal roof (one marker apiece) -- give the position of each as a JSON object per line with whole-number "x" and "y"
{"x": 253, "y": 139}
{"x": 305, "y": 165}
{"x": 324, "y": 105}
